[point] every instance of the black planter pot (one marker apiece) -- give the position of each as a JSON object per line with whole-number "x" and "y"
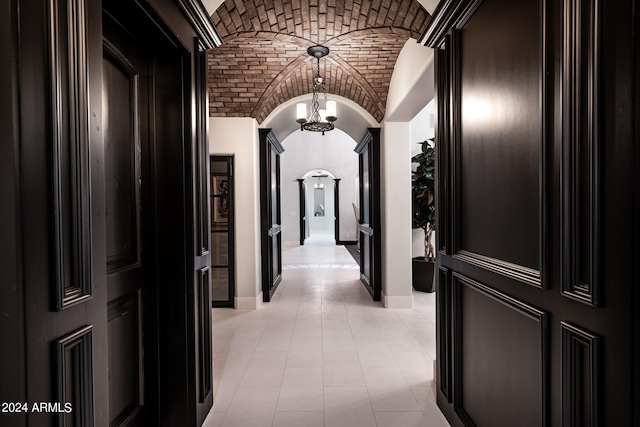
{"x": 422, "y": 276}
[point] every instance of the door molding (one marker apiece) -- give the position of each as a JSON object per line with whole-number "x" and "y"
{"x": 70, "y": 199}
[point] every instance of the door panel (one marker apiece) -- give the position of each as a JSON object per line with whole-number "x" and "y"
{"x": 204, "y": 337}
{"x": 368, "y": 150}
{"x": 581, "y": 153}
{"x": 122, "y": 163}
{"x": 125, "y": 364}
{"x": 487, "y": 372}
{"x": 270, "y": 150}
{"x": 125, "y": 126}
{"x": 74, "y": 364}
{"x": 58, "y": 291}
{"x": 529, "y": 306}
{"x": 500, "y": 82}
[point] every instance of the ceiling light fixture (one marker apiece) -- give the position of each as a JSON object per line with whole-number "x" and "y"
{"x": 320, "y": 120}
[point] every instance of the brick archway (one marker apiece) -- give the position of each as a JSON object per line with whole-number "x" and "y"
{"x": 264, "y": 63}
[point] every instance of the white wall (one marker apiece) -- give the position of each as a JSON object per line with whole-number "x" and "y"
{"x": 410, "y": 88}
{"x": 239, "y": 137}
{"x": 395, "y": 159}
{"x": 412, "y": 84}
{"x": 306, "y": 151}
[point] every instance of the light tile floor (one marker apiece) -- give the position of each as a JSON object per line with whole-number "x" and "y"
{"x": 322, "y": 353}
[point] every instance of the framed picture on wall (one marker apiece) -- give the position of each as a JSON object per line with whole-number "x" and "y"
{"x": 220, "y": 207}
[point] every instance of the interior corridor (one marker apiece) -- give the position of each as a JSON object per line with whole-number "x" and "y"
{"x": 322, "y": 353}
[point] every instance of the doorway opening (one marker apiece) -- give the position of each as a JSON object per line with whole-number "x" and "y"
{"x": 319, "y": 210}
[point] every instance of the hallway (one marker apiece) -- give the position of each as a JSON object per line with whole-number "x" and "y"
{"x": 322, "y": 353}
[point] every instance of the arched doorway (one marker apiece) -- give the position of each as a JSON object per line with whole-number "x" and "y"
{"x": 319, "y": 204}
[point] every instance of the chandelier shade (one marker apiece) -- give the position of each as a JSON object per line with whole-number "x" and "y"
{"x": 301, "y": 112}
{"x": 319, "y": 119}
{"x": 332, "y": 113}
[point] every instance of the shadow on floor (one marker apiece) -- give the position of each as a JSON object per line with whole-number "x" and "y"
{"x": 354, "y": 251}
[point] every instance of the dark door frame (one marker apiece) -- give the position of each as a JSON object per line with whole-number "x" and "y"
{"x": 161, "y": 318}
{"x": 336, "y": 195}
{"x": 270, "y": 212}
{"x": 230, "y": 230}
{"x": 302, "y": 206}
{"x": 302, "y": 216}
{"x": 178, "y": 302}
{"x": 336, "y": 210}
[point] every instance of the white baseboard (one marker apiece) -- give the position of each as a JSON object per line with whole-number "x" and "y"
{"x": 248, "y": 303}
{"x": 435, "y": 368}
{"x": 397, "y": 301}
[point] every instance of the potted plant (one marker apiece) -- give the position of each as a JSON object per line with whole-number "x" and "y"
{"x": 424, "y": 213}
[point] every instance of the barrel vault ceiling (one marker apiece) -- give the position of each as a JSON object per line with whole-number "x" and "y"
{"x": 264, "y": 63}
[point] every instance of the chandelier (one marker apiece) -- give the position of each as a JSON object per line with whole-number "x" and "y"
{"x": 320, "y": 119}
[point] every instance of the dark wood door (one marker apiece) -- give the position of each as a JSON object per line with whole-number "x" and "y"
{"x": 168, "y": 351}
{"x": 200, "y": 315}
{"x": 302, "y": 207}
{"x": 96, "y": 163}
{"x": 534, "y": 198}
{"x": 157, "y": 224}
{"x": 271, "y": 240}
{"x": 126, "y": 128}
{"x": 368, "y": 150}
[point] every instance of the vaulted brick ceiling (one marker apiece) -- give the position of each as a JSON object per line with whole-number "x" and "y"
{"x": 263, "y": 61}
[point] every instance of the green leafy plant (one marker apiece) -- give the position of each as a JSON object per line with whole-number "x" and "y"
{"x": 423, "y": 192}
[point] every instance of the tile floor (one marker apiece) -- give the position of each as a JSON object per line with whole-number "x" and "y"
{"x": 322, "y": 353}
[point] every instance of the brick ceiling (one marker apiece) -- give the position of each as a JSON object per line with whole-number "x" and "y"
{"x": 263, "y": 61}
